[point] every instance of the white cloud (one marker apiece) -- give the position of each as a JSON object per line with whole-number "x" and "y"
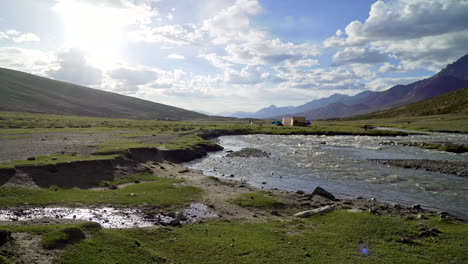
{"x": 175, "y": 57}
{"x": 18, "y": 37}
{"x": 319, "y": 79}
{"x": 248, "y": 75}
{"x": 420, "y": 33}
{"x": 73, "y": 67}
{"x": 405, "y": 19}
{"x": 355, "y": 55}
{"x": 23, "y": 59}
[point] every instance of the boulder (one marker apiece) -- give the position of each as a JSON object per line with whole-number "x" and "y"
{"x": 322, "y": 192}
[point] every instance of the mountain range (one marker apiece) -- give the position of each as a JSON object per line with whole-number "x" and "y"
{"x": 24, "y": 92}
{"x": 451, "y": 78}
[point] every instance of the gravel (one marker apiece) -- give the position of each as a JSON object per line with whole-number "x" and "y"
{"x": 459, "y": 168}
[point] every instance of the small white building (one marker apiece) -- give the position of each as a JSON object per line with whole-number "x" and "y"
{"x": 294, "y": 121}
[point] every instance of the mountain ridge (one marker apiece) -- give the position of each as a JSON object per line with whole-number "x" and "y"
{"x": 453, "y": 77}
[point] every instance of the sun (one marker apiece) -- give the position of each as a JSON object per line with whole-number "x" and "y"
{"x": 96, "y": 29}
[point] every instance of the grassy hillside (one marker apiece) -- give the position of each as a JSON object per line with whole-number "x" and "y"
{"x": 23, "y": 92}
{"x": 455, "y": 102}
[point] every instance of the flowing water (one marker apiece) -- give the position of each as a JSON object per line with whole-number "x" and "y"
{"x": 341, "y": 165}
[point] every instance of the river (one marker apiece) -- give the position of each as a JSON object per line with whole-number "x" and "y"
{"x": 341, "y": 165}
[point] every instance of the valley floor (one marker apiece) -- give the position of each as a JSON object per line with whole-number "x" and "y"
{"x": 250, "y": 225}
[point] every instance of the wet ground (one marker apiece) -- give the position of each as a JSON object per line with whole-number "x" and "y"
{"x": 110, "y": 217}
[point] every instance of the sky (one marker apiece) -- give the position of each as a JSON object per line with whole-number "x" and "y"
{"x": 224, "y": 56}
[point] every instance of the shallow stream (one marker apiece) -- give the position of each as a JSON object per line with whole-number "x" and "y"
{"x": 341, "y": 165}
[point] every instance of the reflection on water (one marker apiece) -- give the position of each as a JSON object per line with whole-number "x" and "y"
{"x": 339, "y": 163}
{"x": 109, "y": 217}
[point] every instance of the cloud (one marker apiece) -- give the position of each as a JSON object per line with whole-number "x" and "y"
{"x": 404, "y": 19}
{"x": 18, "y": 37}
{"x": 319, "y": 79}
{"x": 120, "y": 12}
{"x": 355, "y": 55}
{"x": 248, "y": 75}
{"x": 29, "y": 60}
{"x": 170, "y": 34}
{"x": 133, "y": 77}
{"x": 420, "y": 33}
{"x": 175, "y": 57}
{"x": 73, "y": 67}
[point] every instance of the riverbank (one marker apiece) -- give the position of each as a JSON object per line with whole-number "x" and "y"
{"x": 249, "y": 221}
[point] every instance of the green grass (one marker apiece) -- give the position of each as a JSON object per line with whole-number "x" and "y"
{"x": 257, "y": 200}
{"x": 160, "y": 192}
{"x": 45, "y": 229}
{"x": 190, "y": 142}
{"x": 130, "y": 178}
{"x": 335, "y": 237}
{"x": 3, "y": 260}
{"x": 62, "y": 237}
{"x": 117, "y": 146}
{"x": 54, "y": 159}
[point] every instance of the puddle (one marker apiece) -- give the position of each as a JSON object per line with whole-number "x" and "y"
{"x": 110, "y": 217}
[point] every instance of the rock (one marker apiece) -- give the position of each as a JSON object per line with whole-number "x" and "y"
{"x": 181, "y": 217}
{"x": 54, "y": 158}
{"x": 248, "y": 153}
{"x": 416, "y": 207}
{"x": 184, "y": 171}
{"x": 174, "y": 222}
{"x": 263, "y": 182}
{"x": 359, "y": 197}
{"x": 322, "y": 192}
{"x": 275, "y": 212}
{"x": 300, "y": 192}
{"x": 5, "y": 236}
{"x": 114, "y": 187}
{"x": 320, "y": 210}
{"x": 172, "y": 214}
{"x": 132, "y": 194}
{"x": 31, "y": 158}
{"x": 421, "y": 216}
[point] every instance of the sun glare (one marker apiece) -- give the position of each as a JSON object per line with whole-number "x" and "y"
{"x": 98, "y": 30}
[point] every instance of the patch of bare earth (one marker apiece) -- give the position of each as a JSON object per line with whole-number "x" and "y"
{"x": 27, "y": 249}
{"x": 36, "y": 144}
